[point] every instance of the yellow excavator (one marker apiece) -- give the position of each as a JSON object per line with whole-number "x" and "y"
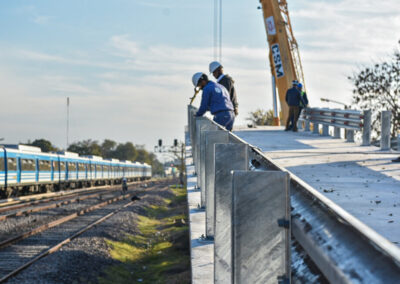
{"x": 284, "y": 53}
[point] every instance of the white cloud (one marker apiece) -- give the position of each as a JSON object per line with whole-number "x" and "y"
{"x": 41, "y": 20}
{"x": 32, "y": 12}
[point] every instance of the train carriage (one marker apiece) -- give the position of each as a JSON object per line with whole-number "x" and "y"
{"x": 26, "y": 169}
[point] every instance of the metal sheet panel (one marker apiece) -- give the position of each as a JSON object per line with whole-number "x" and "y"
{"x": 260, "y": 245}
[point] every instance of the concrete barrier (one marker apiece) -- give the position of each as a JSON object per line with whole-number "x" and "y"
{"x": 228, "y": 157}
{"x": 386, "y": 117}
{"x": 211, "y": 138}
{"x": 261, "y": 243}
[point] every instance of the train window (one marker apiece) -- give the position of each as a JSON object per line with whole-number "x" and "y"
{"x": 90, "y": 168}
{"x": 56, "y": 168}
{"x": 62, "y": 166}
{"x": 11, "y": 164}
{"x": 2, "y": 166}
{"x": 44, "y": 165}
{"x": 71, "y": 167}
{"x": 98, "y": 168}
{"x": 28, "y": 165}
{"x": 81, "y": 167}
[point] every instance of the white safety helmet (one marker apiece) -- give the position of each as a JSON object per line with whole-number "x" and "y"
{"x": 214, "y": 66}
{"x": 196, "y": 77}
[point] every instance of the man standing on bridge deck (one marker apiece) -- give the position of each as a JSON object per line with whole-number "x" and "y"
{"x": 216, "y": 99}
{"x": 304, "y": 102}
{"x": 293, "y": 99}
{"x": 225, "y": 80}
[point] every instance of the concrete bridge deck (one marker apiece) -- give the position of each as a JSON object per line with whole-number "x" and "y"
{"x": 362, "y": 180}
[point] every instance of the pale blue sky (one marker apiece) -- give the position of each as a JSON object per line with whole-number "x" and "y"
{"x": 127, "y": 65}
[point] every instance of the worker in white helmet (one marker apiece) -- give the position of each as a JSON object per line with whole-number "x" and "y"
{"x": 215, "y": 98}
{"x": 225, "y": 80}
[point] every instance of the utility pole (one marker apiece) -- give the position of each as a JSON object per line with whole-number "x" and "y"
{"x": 67, "y": 123}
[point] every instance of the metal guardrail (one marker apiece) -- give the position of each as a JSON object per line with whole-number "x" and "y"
{"x": 343, "y": 248}
{"x": 350, "y": 120}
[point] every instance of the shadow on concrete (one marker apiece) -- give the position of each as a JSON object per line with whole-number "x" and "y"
{"x": 199, "y": 243}
{"x": 271, "y": 140}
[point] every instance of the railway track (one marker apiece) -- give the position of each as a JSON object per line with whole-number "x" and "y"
{"x": 25, "y": 248}
{"x": 34, "y": 199}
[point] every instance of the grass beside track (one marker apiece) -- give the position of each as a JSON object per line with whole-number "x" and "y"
{"x": 160, "y": 253}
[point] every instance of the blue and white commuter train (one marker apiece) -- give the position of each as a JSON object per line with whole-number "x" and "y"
{"x": 25, "y": 169}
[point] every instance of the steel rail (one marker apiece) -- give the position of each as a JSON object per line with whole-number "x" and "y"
{"x": 62, "y": 220}
{"x": 34, "y": 203}
{"x": 65, "y": 241}
{"x": 53, "y": 205}
{"x": 45, "y": 196}
{"x": 34, "y": 199}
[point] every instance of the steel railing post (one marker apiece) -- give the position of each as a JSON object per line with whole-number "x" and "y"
{"x": 366, "y": 135}
{"x": 325, "y": 130}
{"x": 307, "y": 125}
{"x": 315, "y": 128}
{"x": 398, "y": 142}
{"x": 386, "y": 117}
{"x": 336, "y": 132}
{"x": 349, "y": 135}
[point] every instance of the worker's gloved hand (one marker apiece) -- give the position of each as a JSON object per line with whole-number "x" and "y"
{"x": 236, "y": 112}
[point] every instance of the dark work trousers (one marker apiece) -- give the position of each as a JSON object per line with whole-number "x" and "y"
{"x": 225, "y": 118}
{"x": 293, "y": 116}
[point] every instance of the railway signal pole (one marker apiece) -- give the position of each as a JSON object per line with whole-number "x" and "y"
{"x": 178, "y": 152}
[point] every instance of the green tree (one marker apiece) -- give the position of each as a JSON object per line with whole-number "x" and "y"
{"x": 261, "y": 117}
{"x": 377, "y": 87}
{"x": 43, "y": 144}
{"x": 126, "y": 151}
{"x": 122, "y": 151}
{"x": 107, "y": 148}
{"x": 142, "y": 155}
{"x": 86, "y": 147}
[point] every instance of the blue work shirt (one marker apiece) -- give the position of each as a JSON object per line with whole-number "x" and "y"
{"x": 293, "y": 97}
{"x": 215, "y": 98}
